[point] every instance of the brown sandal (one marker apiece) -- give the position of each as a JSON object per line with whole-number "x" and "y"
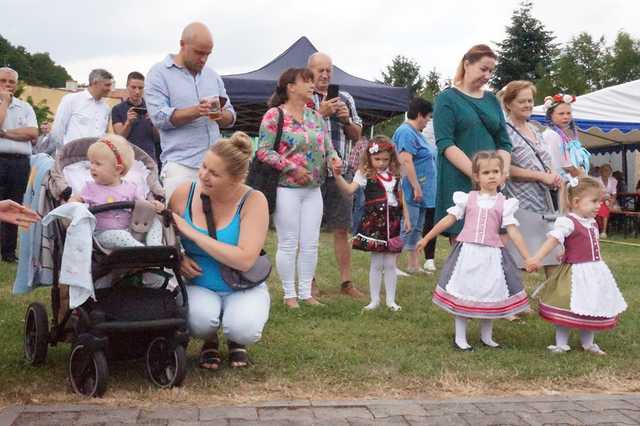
{"x": 238, "y": 356}
{"x": 210, "y": 356}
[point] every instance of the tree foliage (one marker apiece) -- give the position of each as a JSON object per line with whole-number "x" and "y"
{"x": 527, "y": 52}
{"x": 37, "y": 69}
{"x": 582, "y": 65}
{"x": 404, "y": 72}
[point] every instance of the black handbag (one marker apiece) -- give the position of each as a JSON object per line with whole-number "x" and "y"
{"x": 238, "y": 280}
{"x": 262, "y": 176}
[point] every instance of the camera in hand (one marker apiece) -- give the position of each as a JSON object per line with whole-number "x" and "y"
{"x": 141, "y": 111}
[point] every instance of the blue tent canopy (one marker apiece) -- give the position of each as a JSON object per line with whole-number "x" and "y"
{"x": 250, "y": 91}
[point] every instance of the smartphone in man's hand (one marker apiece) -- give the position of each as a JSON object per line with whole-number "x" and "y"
{"x": 332, "y": 91}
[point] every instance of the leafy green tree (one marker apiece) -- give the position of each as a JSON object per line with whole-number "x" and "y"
{"x": 432, "y": 86}
{"x": 527, "y": 52}
{"x": 42, "y": 110}
{"x": 624, "y": 59}
{"x": 581, "y": 67}
{"x": 404, "y": 72}
{"x": 37, "y": 69}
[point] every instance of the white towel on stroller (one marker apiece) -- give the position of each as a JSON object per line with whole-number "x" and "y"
{"x": 75, "y": 269}
{"x": 78, "y": 174}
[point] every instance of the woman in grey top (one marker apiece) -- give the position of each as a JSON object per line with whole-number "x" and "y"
{"x": 531, "y": 178}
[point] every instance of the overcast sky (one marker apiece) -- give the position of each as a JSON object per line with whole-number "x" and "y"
{"x": 361, "y": 36}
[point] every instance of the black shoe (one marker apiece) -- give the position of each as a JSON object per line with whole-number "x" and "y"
{"x": 458, "y": 348}
{"x": 10, "y": 259}
{"x": 491, "y": 347}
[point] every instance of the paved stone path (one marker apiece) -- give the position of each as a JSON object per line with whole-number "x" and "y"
{"x": 544, "y": 410}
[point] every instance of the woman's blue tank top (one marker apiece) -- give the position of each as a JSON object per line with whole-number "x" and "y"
{"x": 210, "y": 277}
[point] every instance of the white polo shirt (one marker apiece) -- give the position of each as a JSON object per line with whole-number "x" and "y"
{"x": 80, "y": 116}
{"x": 19, "y": 115}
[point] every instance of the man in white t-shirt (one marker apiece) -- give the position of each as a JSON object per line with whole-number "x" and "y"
{"x": 84, "y": 114}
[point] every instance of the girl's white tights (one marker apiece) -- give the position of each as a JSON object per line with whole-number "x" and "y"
{"x": 486, "y": 332}
{"x": 461, "y": 332}
{"x": 562, "y": 337}
{"x": 383, "y": 264}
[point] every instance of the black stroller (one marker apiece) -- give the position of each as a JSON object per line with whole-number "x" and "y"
{"x": 128, "y": 320}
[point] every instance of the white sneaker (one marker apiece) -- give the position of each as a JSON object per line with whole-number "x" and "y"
{"x": 429, "y": 265}
{"x": 394, "y": 307}
{"x": 558, "y": 349}
{"x": 603, "y": 235}
{"x": 401, "y": 273}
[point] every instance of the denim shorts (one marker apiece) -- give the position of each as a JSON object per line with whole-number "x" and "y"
{"x": 416, "y": 216}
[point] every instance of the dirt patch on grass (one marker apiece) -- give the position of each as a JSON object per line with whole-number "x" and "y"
{"x": 233, "y": 392}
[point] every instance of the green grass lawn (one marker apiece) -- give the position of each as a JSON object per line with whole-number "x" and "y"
{"x": 339, "y": 352}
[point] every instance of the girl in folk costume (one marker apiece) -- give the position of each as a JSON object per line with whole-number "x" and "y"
{"x": 480, "y": 279}
{"x": 567, "y": 153}
{"x": 582, "y": 292}
{"x": 379, "y": 229}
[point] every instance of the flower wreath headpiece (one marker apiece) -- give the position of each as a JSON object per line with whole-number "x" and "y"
{"x": 557, "y": 99}
{"x": 376, "y": 147}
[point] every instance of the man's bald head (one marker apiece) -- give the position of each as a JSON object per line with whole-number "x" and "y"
{"x": 320, "y": 64}
{"x": 196, "y": 44}
{"x": 318, "y": 57}
{"x": 196, "y": 32}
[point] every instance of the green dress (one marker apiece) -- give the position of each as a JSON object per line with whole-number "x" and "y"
{"x": 457, "y": 122}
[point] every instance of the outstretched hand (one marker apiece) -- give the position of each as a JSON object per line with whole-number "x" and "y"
{"x": 421, "y": 244}
{"x": 17, "y": 214}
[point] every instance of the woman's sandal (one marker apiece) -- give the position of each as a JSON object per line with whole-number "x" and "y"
{"x": 238, "y": 356}
{"x": 210, "y": 356}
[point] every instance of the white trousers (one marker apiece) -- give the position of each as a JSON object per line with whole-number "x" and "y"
{"x": 298, "y": 217}
{"x": 242, "y": 314}
{"x": 173, "y": 175}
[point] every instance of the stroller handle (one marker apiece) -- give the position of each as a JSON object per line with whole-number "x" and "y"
{"x": 120, "y": 205}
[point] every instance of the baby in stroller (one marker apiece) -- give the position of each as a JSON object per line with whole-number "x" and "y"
{"x": 127, "y": 317}
{"x": 111, "y": 157}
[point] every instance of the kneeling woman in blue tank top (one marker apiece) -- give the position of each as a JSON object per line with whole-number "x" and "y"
{"x": 241, "y": 216}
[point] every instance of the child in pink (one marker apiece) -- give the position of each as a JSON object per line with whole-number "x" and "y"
{"x": 111, "y": 158}
{"x": 480, "y": 279}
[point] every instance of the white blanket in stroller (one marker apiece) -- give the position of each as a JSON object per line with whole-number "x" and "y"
{"x": 78, "y": 174}
{"x": 75, "y": 268}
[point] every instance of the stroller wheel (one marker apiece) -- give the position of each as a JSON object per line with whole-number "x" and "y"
{"x": 166, "y": 363}
{"x": 36, "y": 334}
{"x": 88, "y": 371}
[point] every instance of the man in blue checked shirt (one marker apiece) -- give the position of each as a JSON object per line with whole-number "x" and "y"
{"x": 189, "y": 105}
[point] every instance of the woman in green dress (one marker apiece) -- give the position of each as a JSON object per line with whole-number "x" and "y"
{"x": 467, "y": 119}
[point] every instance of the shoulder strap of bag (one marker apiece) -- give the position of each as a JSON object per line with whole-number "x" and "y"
{"x": 208, "y": 212}
{"x": 276, "y": 143}
{"x": 478, "y": 112}
{"x": 548, "y": 197}
{"x": 528, "y": 142}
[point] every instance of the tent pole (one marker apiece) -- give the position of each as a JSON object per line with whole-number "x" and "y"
{"x": 371, "y": 132}
{"x": 624, "y": 167}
